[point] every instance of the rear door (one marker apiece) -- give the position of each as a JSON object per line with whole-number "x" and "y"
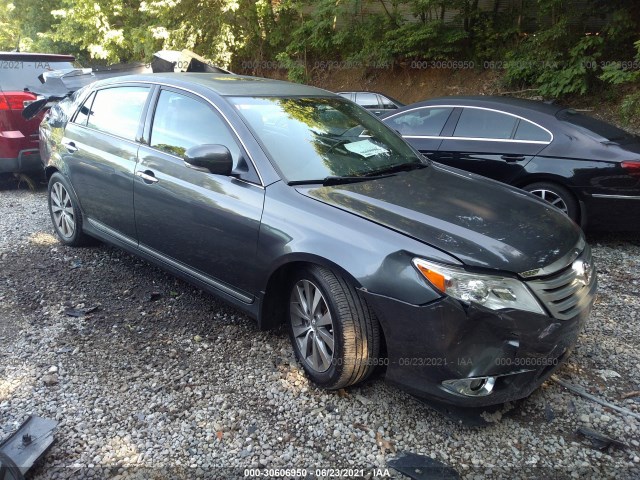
{"x": 492, "y": 143}
{"x": 101, "y": 151}
{"x": 192, "y": 219}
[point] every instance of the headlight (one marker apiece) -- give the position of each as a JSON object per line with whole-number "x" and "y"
{"x": 490, "y": 291}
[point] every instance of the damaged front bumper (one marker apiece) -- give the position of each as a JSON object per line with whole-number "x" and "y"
{"x": 469, "y": 356}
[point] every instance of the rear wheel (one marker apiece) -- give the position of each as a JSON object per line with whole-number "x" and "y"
{"x": 65, "y": 212}
{"x": 558, "y": 196}
{"x": 334, "y": 333}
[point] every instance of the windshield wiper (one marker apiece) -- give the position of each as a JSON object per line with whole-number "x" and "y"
{"x": 402, "y": 167}
{"x": 338, "y": 180}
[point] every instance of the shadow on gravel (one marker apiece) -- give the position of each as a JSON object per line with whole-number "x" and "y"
{"x": 9, "y": 182}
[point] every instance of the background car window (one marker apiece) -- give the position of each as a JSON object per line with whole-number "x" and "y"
{"x": 424, "y": 121}
{"x": 118, "y": 110}
{"x": 477, "y": 123}
{"x": 83, "y": 112}
{"x": 529, "y": 131}
{"x": 367, "y": 100}
{"x": 387, "y": 104}
{"x": 182, "y": 122}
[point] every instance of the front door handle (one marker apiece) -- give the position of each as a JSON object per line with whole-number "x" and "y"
{"x": 512, "y": 158}
{"x": 70, "y": 146}
{"x": 147, "y": 176}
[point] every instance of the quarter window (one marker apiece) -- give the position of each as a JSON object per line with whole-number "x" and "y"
{"x": 83, "y": 112}
{"x": 478, "y": 123}
{"x": 181, "y": 122}
{"x": 531, "y": 132}
{"x": 118, "y": 110}
{"x": 421, "y": 122}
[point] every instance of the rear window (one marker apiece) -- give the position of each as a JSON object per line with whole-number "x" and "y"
{"x": 597, "y": 129}
{"x": 15, "y": 75}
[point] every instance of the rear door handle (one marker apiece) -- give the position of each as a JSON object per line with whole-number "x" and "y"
{"x": 512, "y": 158}
{"x": 69, "y": 145}
{"x": 147, "y": 177}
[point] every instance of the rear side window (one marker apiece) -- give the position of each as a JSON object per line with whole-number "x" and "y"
{"x": 367, "y": 100}
{"x": 181, "y": 122}
{"x": 531, "y": 132}
{"x": 387, "y": 104}
{"x": 118, "y": 110}
{"x": 421, "y": 122}
{"x": 478, "y": 123}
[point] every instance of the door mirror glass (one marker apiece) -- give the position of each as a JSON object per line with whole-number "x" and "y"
{"x": 214, "y": 159}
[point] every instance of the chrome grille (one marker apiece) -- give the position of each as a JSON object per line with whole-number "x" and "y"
{"x": 568, "y": 292}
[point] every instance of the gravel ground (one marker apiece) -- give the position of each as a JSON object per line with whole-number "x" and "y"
{"x": 164, "y": 381}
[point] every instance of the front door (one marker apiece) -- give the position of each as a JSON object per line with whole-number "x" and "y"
{"x": 208, "y": 223}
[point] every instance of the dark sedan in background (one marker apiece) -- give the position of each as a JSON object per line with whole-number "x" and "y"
{"x": 267, "y": 194}
{"x": 587, "y": 168}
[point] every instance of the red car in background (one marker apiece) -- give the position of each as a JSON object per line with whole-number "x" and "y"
{"x": 19, "y": 137}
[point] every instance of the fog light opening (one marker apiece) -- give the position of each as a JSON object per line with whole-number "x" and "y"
{"x": 471, "y": 387}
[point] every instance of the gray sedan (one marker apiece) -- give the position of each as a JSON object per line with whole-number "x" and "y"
{"x": 299, "y": 207}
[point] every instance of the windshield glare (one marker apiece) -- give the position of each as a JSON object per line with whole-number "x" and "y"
{"x": 317, "y": 137}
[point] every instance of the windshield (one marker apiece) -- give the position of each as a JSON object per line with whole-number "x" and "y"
{"x": 597, "y": 129}
{"x": 310, "y": 139}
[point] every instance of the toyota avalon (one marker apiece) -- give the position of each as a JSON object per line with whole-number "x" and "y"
{"x": 301, "y": 208}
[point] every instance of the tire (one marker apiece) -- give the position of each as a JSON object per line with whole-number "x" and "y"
{"x": 351, "y": 325}
{"x": 65, "y": 213}
{"x": 558, "y": 196}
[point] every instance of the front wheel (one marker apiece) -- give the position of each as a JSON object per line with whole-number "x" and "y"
{"x": 334, "y": 333}
{"x": 558, "y": 196}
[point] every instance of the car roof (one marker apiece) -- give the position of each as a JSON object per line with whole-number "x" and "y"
{"x": 36, "y": 57}
{"x": 490, "y": 101}
{"x": 226, "y": 84}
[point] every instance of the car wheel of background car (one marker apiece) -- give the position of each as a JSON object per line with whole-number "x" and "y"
{"x": 557, "y": 196}
{"x": 334, "y": 333}
{"x": 65, "y": 213}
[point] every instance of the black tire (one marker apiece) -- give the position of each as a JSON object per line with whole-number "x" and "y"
{"x": 60, "y": 193}
{"x": 558, "y": 196}
{"x": 354, "y": 328}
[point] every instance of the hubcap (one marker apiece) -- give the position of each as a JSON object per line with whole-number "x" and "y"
{"x": 312, "y": 325}
{"x": 553, "y": 198}
{"x": 62, "y": 211}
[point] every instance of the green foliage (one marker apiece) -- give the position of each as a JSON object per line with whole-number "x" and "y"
{"x": 551, "y": 45}
{"x": 630, "y": 108}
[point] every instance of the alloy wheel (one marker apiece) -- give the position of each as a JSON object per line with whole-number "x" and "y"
{"x": 62, "y": 211}
{"x": 553, "y": 198}
{"x": 312, "y": 325}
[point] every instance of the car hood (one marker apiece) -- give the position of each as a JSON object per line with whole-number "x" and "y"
{"x": 480, "y": 222}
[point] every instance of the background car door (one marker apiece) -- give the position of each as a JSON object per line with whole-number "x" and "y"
{"x": 493, "y": 144}
{"x": 207, "y": 222}
{"x": 102, "y": 153}
{"x": 421, "y": 127}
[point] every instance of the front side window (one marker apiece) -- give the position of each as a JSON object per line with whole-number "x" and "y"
{"x": 479, "y": 123}
{"x": 181, "y": 122}
{"x": 316, "y": 137}
{"x": 421, "y": 122}
{"x": 118, "y": 110}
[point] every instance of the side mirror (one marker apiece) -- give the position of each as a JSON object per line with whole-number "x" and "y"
{"x": 214, "y": 159}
